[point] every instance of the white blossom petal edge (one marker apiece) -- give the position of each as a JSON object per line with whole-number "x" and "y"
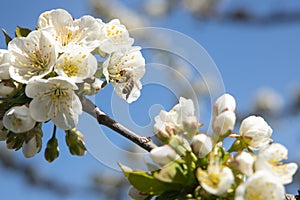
{"x": 54, "y": 99}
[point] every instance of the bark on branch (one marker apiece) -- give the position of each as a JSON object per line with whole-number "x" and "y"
{"x": 102, "y": 118}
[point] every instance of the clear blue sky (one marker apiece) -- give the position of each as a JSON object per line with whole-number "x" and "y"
{"x": 248, "y": 57}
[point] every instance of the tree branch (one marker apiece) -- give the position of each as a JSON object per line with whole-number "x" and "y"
{"x": 102, "y": 118}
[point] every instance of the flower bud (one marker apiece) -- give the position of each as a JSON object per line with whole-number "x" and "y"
{"x": 255, "y": 132}
{"x": 30, "y": 148}
{"x": 74, "y": 140}
{"x": 7, "y": 88}
{"x": 33, "y": 142}
{"x": 201, "y": 145}
{"x": 224, "y": 103}
{"x": 163, "y": 155}
{"x": 244, "y": 162}
{"x": 223, "y": 123}
{"x": 18, "y": 120}
{"x": 52, "y": 150}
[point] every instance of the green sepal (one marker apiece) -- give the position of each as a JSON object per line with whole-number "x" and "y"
{"x": 22, "y": 32}
{"x": 238, "y": 145}
{"x": 7, "y": 37}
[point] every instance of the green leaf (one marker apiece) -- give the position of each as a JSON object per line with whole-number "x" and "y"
{"x": 22, "y": 32}
{"x": 171, "y": 173}
{"x": 7, "y": 37}
{"x": 145, "y": 182}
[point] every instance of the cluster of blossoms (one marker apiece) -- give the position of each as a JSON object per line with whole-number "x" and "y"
{"x": 43, "y": 73}
{"x": 194, "y": 165}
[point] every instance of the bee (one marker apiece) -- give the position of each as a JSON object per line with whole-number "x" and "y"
{"x": 128, "y": 79}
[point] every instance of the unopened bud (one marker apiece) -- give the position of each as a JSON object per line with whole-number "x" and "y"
{"x": 7, "y": 88}
{"x": 74, "y": 140}
{"x": 163, "y": 155}
{"x": 201, "y": 145}
{"x": 52, "y": 150}
{"x": 30, "y": 148}
{"x": 224, "y": 103}
{"x": 223, "y": 123}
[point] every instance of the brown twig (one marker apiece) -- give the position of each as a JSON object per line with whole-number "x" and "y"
{"x": 102, "y": 118}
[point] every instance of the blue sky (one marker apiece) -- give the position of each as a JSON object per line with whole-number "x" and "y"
{"x": 248, "y": 57}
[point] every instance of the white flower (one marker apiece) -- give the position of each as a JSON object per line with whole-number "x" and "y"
{"x": 54, "y": 99}
{"x": 217, "y": 179}
{"x": 124, "y": 69}
{"x": 244, "y": 162}
{"x": 226, "y": 102}
{"x": 84, "y": 32}
{"x": 76, "y": 64}
{"x": 163, "y": 155}
{"x": 201, "y": 145}
{"x": 115, "y": 37}
{"x": 270, "y": 159}
{"x": 224, "y": 122}
{"x": 255, "y": 132}
{"x": 4, "y": 64}
{"x": 180, "y": 119}
{"x": 32, "y": 57}
{"x": 18, "y": 120}
{"x": 260, "y": 186}
{"x": 30, "y": 148}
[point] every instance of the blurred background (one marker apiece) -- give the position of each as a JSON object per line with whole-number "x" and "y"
{"x": 254, "y": 44}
